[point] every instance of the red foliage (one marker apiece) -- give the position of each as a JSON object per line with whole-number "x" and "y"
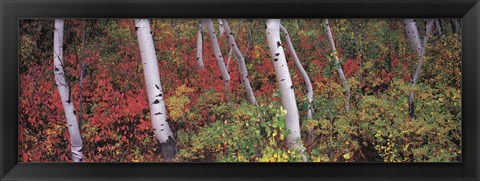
{"x": 115, "y": 112}
{"x": 351, "y": 67}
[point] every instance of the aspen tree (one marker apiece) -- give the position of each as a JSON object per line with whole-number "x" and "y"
{"x": 338, "y": 66}
{"x": 64, "y": 91}
{"x": 200, "y": 46}
{"x": 229, "y": 58}
{"x": 411, "y": 102}
{"x": 158, "y": 113}
{"x": 412, "y": 34}
{"x": 221, "y": 28}
{"x": 456, "y": 26}
{"x": 306, "y": 79}
{"x": 284, "y": 80}
{"x": 438, "y": 27}
{"x": 241, "y": 63}
{"x": 217, "y": 53}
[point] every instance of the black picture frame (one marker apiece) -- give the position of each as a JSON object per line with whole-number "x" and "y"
{"x": 11, "y": 11}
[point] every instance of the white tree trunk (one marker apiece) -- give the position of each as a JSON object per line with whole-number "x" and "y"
{"x": 64, "y": 91}
{"x": 200, "y": 46}
{"x": 229, "y": 58}
{"x": 158, "y": 113}
{"x": 306, "y": 79}
{"x": 339, "y": 67}
{"x": 285, "y": 84}
{"x": 221, "y": 28}
{"x": 412, "y": 34}
{"x": 217, "y": 52}
{"x": 241, "y": 63}
{"x": 419, "y": 68}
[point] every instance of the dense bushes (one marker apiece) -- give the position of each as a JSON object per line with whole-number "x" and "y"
{"x": 375, "y": 56}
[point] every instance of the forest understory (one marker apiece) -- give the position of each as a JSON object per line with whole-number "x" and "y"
{"x": 380, "y": 110}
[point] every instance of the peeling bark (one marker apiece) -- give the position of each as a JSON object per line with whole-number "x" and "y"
{"x": 340, "y": 73}
{"x": 306, "y": 79}
{"x": 218, "y": 53}
{"x": 413, "y": 36}
{"x": 64, "y": 91}
{"x": 411, "y": 102}
{"x": 158, "y": 113}
{"x": 241, "y": 64}
{"x": 284, "y": 80}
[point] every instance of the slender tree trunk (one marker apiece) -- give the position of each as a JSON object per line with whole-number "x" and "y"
{"x": 411, "y": 102}
{"x": 339, "y": 67}
{"x": 456, "y": 27}
{"x": 438, "y": 27}
{"x": 231, "y": 51}
{"x": 217, "y": 53}
{"x": 284, "y": 80}
{"x": 413, "y": 36}
{"x": 64, "y": 91}
{"x": 296, "y": 24}
{"x": 200, "y": 46}
{"x": 241, "y": 63}
{"x": 306, "y": 79}
{"x": 158, "y": 113}
{"x": 221, "y": 28}
{"x": 229, "y": 58}
{"x": 250, "y": 38}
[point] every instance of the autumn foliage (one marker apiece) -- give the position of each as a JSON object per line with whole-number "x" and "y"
{"x": 115, "y": 124}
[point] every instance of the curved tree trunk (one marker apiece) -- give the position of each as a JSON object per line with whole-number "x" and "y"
{"x": 64, "y": 91}
{"x": 158, "y": 113}
{"x": 284, "y": 80}
{"x": 218, "y": 53}
{"x": 411, "y": 102}
{"x": 339, "y": 67}
{"x": 306, "y": 79}
{"x": 241, "y": 63}
{"x": 412, "y": 34}
{"x": 200, "y": 46}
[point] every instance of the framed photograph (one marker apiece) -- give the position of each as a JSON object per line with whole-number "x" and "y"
{"x": 239, "y": 90}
